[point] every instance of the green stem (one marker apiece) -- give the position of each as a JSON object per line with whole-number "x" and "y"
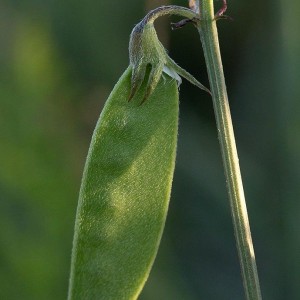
{"x": 209, "y": 38}
{"x": 169, "y": 10}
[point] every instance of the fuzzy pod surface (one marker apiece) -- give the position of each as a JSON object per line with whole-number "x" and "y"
{"x": 125, "y": 192}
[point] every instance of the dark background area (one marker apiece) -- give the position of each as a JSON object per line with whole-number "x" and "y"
{"x": 59, "y": 60}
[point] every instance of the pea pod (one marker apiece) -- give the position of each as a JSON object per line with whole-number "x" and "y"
{"x": 125, "y": 192}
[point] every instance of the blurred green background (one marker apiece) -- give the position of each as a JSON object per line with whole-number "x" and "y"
{"x": 58, "y": 62}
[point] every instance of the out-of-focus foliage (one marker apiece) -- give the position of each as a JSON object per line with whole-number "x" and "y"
{"x": 58, "y": 62}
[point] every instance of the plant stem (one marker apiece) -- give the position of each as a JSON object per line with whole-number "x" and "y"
{"x": 209, "y": 38}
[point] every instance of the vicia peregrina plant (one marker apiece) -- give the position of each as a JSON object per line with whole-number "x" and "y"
{"x": 127, "y": 179}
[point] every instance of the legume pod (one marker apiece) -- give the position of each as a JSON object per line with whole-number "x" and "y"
{"x": 125, "y": 192}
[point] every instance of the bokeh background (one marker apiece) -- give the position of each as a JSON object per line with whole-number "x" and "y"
{"x": 59, "y": 60}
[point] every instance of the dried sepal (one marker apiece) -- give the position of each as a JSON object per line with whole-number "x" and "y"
{"x": 145, "y": 50}
{"x": 185, "y": 74}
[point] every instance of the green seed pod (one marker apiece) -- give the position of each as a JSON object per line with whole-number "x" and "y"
{"x": 125, "y": 192}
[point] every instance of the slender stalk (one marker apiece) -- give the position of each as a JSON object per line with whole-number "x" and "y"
{"x": 209, "y": 38}
{"x": 168, "y": 10}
